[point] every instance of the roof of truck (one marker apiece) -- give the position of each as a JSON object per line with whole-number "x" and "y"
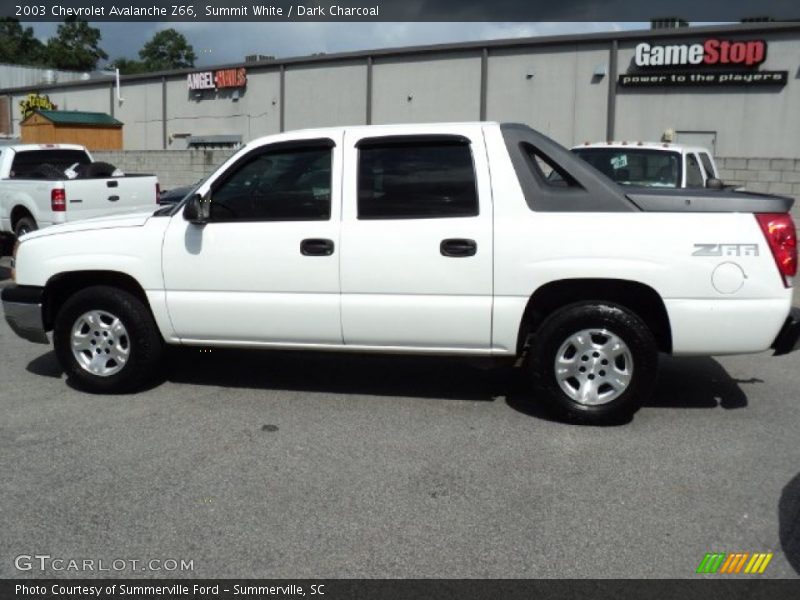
{"x": 376, "y": 126}
{"x": 29, "y": 147}
{"x": 365, "y": 130}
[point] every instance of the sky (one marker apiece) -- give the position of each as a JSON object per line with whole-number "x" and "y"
{"x": 220, "y": 43}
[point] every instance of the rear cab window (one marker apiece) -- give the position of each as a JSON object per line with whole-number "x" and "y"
{"x": 31, "y": 164}
{"x": 547, "y": 170}
{"x": 635, "y": 166}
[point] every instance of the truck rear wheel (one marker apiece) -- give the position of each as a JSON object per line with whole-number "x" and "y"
{"x": 24, "y": 225}
{"x": 593, "y": 362}
{"x": 106, "y": 340}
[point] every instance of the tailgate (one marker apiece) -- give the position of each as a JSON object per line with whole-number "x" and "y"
{"x": 88, "y": 198}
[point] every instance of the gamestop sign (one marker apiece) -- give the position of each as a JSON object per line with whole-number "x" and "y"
{"x": 712, "y": 52}
{"x": 714, "y": 62}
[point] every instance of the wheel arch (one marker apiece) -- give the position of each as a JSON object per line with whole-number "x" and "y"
{"x": 19, "y": 211}
{"x": 63, "y": 285}
{"x": 633, "y": 295}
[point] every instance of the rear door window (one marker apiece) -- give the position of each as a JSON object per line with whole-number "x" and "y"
{"x": 416, "y": 179}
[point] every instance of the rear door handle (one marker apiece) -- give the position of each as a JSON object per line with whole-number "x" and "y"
{"x": 113, "y": 198}
{"x": 316, "y": 247}
{"x": 112, "y": 183}
{"x": 458, "y": 247}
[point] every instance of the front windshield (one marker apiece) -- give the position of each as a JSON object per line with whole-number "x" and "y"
{"x": 635, "y": 166}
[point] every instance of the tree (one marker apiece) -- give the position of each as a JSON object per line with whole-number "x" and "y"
{"x": 75, "y": 46}
{"x": 128, "y": 66}
{"x": 167, "y": 49}
{"x": 18, "y": 45}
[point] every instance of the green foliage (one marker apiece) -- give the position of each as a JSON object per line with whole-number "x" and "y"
{"x": 167, "y": 49}
{"x": 76, "y": 46}
{"x": 18, "y": 45}
{"x": 128, "y": 66}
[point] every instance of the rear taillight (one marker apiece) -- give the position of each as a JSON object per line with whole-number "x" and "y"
{"x": 781, "y": 236}
{"x": 58, "y": 200}
{"x": 158, "y": 193}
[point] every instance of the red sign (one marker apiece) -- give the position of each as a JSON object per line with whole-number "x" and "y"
{"x": 219, "y": 79}
{"x": 230, "y": 78}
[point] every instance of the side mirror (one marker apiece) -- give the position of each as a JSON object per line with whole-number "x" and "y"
{"x": 198, "y": 209}
{"x": 713, "y": 183}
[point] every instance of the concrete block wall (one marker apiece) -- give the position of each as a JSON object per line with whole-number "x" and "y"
{"x": 173, "y": 167}
{"x": 769, "y": 175}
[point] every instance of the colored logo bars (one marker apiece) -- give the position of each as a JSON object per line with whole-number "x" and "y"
{"x": 736, "y": 562}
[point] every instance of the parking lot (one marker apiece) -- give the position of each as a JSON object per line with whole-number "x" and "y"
{"x": 268, "y": 464}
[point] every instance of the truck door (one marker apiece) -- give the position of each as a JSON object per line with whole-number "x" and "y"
{"x": 417, "y": 239}
{"x": 265, "y": 268}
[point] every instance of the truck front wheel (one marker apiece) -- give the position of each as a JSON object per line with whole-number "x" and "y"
{"x": 106, "y": 340}
{"x": 593, "y": 362}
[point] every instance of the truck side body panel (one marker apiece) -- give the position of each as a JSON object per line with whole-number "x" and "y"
{"x": 653, "y": 248}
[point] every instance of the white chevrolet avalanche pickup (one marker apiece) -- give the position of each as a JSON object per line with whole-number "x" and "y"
{"x": 425, "y": 239}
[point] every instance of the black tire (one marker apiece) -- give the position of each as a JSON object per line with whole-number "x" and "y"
{"x": 96, "y": 170}
{"x": 6, "y": 244}
{"x": 616, "y": 400}
{"x": 25, "y": 225}
{"x": 143, "y": 341}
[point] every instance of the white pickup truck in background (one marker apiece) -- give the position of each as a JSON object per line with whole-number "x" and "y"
{"x": 652, "y": 164}
{"x": 424, "y": 239}
{"x": 36, "y": 190}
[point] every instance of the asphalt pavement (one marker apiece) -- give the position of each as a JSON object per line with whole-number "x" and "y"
{"x": 276, "y": 464}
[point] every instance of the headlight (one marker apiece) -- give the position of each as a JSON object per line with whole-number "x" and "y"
{"x": 14, "y": 262}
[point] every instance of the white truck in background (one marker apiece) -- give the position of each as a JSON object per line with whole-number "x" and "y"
{"x": 36, "y": 190}
{"x": 652, "y": 164}
{"x": 420, "y": 239}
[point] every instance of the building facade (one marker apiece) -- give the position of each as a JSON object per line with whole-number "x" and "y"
{"x": 735, "y": 89}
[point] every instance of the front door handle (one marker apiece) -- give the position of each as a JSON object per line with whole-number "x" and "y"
{"x": 458, "y": 247}
{"x": 316, "y": 247}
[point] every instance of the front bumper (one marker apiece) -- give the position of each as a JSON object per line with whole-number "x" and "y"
{"x": 788, "y": 338}
{"x": 22, "y": 306}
